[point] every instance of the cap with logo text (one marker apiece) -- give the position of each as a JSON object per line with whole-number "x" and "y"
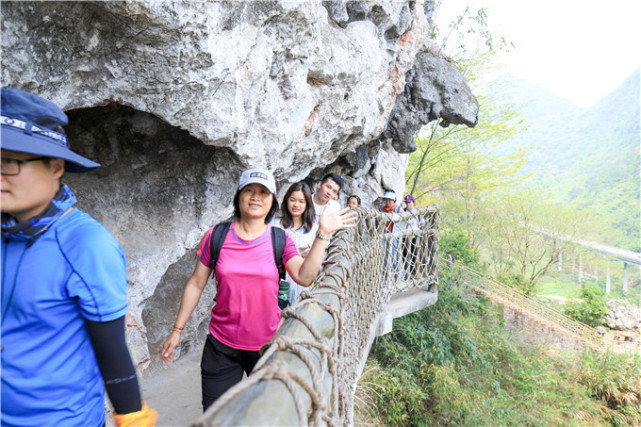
{"x": 257, "y": 176}
{"x": 34, "y": 125}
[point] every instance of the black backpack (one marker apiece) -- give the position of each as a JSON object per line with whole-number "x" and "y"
{"x": 278, "y": 244}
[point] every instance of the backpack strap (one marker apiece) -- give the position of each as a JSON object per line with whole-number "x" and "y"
{"x": 279, "y": 238}
{"x": 216, "y": 242}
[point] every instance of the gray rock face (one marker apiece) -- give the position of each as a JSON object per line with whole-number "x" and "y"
{"x": 433, "y": 90}
{"x": 622, "y": 316}
{"x": 176, "y": 98}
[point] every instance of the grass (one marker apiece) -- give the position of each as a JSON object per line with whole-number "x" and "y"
{"x": 453, "y": 364}
{"x": 564, "y": 285}
{"x": 557, "y": 284}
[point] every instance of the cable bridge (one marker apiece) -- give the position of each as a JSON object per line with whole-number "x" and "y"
{"x": 308, "y": 372}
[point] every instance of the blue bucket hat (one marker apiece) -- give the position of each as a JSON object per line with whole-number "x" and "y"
{"x": 31, "y": 124}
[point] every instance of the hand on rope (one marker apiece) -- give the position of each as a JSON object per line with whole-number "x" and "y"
{"x": 144, "y": 418}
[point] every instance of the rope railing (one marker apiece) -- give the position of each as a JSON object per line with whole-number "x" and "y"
{"x": 591, "y": 336}
{"x": 307, "y": 374}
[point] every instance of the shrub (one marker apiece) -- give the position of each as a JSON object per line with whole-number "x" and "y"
{"x": 399, "y": 398}
{"x": 615, "y": 380}
{"x": 456, "y": 243}
{"x": 591, "y": 309}
{"x": 453, "y": 364}
{"x": 514, "y": 280}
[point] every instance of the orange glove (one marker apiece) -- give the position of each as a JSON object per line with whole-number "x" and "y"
{"x": 144, "y": 418}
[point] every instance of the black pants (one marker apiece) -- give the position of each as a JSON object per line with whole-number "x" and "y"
{"x": 410, "y": 250}
{"x": 221, "y": 367}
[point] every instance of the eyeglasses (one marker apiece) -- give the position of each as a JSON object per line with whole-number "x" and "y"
{"x": 10, "y": 167}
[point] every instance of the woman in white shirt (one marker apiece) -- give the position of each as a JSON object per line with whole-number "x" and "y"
{"x": 297, "y": 219}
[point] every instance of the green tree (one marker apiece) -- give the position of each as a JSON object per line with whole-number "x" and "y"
{"x": 458, "y": 167}
{"x": 524, "y": 225}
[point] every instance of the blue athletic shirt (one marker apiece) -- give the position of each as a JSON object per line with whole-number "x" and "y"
{"x": 74, "y": 271}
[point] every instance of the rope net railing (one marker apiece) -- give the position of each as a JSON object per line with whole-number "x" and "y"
{"x": 308, "y": 372}
{"x": 590, "y": 335}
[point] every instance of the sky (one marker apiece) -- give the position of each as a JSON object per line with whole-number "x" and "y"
{"x": 581, "y": 50}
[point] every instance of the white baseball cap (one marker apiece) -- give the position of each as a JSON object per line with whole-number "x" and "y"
{"x": 258, "y": 176}
{"x": 389, "y": 194}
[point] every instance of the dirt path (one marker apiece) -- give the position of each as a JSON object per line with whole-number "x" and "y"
{"x": 174, "y": 392}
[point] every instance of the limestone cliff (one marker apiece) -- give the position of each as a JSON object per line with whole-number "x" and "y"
{"x": 175, "y": 99}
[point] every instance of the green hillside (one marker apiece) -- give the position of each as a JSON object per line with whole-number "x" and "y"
{"x": 588, "y": 157}
{"x": 453, "y": 364}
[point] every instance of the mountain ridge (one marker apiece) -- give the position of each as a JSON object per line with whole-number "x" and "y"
{"x": 585, "y": 156}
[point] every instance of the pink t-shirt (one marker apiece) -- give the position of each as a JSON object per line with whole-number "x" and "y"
{"x": 246, "y": 313}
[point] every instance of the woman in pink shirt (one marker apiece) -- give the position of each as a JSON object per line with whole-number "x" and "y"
{"x": 246, "y": 313}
